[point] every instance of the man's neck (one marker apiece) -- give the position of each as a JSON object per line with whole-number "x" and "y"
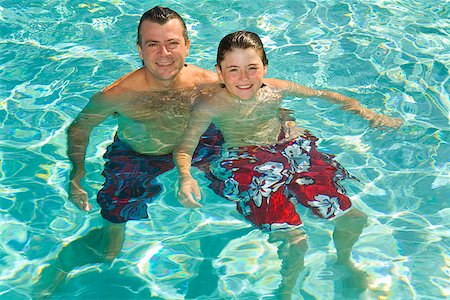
{"x": 164, "y": 84}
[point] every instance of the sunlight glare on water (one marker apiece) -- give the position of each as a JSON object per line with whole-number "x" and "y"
{"x": 393, "y": 56}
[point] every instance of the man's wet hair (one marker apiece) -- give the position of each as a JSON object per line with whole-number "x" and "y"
{"x": 241, "y": 40}
{"x": 160, "y": 15}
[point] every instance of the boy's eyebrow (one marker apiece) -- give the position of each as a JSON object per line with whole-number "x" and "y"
{"x": 233, "y": 66}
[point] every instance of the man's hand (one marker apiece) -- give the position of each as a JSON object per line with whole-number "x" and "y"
{"x": 189, "y": 193}
{"x": 78, "y": 196}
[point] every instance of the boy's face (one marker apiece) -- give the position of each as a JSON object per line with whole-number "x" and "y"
{"x": 163, "y": 49}
{"x": 242, "y": 71}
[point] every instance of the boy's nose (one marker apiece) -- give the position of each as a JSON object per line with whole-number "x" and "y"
{"x": 243, "y": 75}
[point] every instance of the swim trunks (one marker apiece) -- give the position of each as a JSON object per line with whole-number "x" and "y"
{"x": 130, "y": 177}
{"x": 271, "y": 183}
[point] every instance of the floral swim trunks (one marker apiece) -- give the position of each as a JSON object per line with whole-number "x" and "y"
{"x": 130, "y": 177}
{"x": 271, "y": 183}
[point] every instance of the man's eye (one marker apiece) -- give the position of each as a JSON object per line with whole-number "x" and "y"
{"x": 173, "y": 45}
{"x": 151, "y": 45}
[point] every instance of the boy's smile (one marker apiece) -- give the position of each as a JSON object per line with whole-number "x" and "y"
{"x": 242, "y": 71}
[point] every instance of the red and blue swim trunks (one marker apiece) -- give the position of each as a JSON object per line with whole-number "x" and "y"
{"x": 130, "y": 177}
{"x": 270, "y": 184}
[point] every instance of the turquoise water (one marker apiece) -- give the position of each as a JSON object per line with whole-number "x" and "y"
{"x": 393, "y": 56}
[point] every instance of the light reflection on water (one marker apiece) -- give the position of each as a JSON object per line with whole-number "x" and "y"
{"x": 390, "y": 55}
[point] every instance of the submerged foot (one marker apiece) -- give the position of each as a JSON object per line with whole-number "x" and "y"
{"x": 50, "y": 278}
{"x": 204, "y": 283}
{"x": 351, "y": 279}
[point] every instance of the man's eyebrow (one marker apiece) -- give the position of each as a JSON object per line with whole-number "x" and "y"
{"x": 169, "y": 40}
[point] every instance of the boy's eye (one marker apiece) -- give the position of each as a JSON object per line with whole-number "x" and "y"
{"x": 151, "y": 44}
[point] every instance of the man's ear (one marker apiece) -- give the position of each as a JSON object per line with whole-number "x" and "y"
{"x": 140, "y": 51}
{"x": 188, "y": 46}
{"x": 265, "y": 70}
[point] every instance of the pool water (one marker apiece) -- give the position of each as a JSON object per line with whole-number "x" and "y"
{"x": 392, "y": 55}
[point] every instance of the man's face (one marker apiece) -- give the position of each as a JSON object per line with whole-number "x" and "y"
{"x": 163, "y": 49}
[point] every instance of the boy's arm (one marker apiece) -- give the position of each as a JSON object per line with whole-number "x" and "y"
{"x": 352, "y": 104}
{"x": 347, "y": 103}
{"x": 189, "y": 192}
{"x": 78, "y": 133}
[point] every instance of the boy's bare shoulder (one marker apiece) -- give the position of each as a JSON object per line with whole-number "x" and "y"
{"x": 207, "y": 95}
{"x": 276, "y": 83}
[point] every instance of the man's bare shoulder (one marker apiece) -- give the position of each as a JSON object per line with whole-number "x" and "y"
{"x": 199, "y": 76}
{"x": 126, "y": 83}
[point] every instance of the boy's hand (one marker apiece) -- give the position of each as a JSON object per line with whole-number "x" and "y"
{"x": 189, "y": 193}
{"x": 291, "y": 131}
{"x": 381, "y": 120}
{"x": 377, "y": 120}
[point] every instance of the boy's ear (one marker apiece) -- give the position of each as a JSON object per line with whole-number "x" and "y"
{"x": 265, "y": 70}
{"x": 219, "y": 73}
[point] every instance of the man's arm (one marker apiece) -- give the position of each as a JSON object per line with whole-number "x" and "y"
{"x": 346, "y": 103}
{"x": 78, "y": 135}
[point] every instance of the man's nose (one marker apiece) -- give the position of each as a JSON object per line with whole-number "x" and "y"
{"x": 163, "y": 50}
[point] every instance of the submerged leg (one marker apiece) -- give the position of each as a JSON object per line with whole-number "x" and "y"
{"x": 96, "y": 246}
{"x": 292, "y": 253}
{"x": 347, "y": 230}
{"x": 206, "y": 280}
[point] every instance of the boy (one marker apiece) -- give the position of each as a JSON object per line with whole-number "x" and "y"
{"x": 267, "y": 177}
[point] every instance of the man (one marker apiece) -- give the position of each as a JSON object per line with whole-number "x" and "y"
{"x": 152, "y": 106}
{"x": 144, "y": 102}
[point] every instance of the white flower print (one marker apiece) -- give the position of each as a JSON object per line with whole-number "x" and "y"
{"x": 231, "y": 189}
{"x": 260, "y": 189}
{"x": 306, "y": 145}
{"x": 305, "y": 181}
{"x": 297, "y": 158}
{"x": 269, "y": 182}
{"x": 272, "y": 174}
{"x": 271, "y": 171}
{"x": 326, "y": 205}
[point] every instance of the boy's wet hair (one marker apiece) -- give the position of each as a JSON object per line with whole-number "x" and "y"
{"x": 242, "y": 40}
{"x": 160, "y": 15}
